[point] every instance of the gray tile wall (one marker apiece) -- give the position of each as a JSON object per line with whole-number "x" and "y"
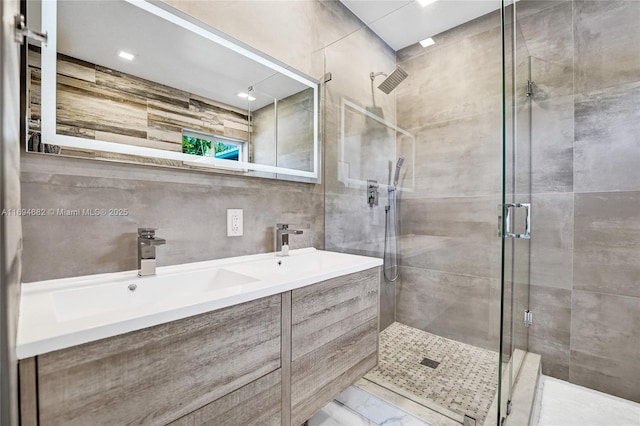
{"x": 585, "y": 260}
{"x": 189, "y": 207}
{"x": 352, "y": 226}
{"x": 450, "y": 250}
{"x": 585, "y": 182}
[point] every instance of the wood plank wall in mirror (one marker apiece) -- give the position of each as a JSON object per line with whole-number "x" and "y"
{"x": 182, "y": 105}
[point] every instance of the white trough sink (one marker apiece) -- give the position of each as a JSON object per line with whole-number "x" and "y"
{"x": 61, "y": 313}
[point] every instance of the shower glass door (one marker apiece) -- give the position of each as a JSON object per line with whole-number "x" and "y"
{"x": 517, "y": 208}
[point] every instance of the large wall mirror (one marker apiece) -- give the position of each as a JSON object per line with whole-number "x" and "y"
{"x": 140, "y": 81}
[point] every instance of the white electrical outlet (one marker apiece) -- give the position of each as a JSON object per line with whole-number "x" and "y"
{"x": 234, "y": 222}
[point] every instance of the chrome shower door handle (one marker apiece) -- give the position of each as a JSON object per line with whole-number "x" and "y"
{"x": 527, "y": 221}
{"x": 507, "y": 221}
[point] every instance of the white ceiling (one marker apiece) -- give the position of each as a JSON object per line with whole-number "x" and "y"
{"x": 401, "y": 23}
{"x": 165, "y": 53}
{"x": 95, "y": 31}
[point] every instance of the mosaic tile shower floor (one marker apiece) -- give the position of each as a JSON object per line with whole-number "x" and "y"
{"x": 464, "y": 381}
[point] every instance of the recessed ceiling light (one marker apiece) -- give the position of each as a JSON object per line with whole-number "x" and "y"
{"x": 427, "y": 42}
{"x": 126, "y": 55}
{"x": 251, "y": 98}
{"x": 424, "y": 3}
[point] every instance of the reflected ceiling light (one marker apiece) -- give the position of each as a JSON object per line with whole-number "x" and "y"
{"x": 427, "y": 42}
{"x": 424, "y": 3}
{"x": 126, "y": 55}
{"x": 246, "y": 96}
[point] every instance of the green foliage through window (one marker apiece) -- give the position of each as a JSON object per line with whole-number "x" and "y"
{"x": 196, "y": 146}
{"x": 222, "y": 149}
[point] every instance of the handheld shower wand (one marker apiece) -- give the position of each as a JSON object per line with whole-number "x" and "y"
{"x": 398, "y": 167}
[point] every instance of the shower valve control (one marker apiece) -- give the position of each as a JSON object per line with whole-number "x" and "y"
{"x": 372, "y": 193}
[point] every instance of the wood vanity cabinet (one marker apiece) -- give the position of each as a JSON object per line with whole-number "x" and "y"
{"x": 272, "y": 361}
{"x": 334, "y": 339}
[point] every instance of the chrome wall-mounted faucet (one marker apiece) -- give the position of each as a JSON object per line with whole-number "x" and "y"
{"x": 282, "y": 238}
{"x": 147, "y": 243}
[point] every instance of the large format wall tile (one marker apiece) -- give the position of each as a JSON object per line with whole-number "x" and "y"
{"x": 549, "y": 335}
{"x": 469, "y": 217}
{"x": 526, "y": 8}
{"x": 449, "y": 305}
{"x": 353, "y": 226}
{"x": 551, "y": 151}
{"x": 387, "y": 303}
{"x": 551, "y": 240}
{"x": 604, "y": 343}
{"x": 460, "y": 157}
{"x": 454, "y": 254}
{"x": 607, "y": 43}
{"x": 189, "y": 209}
{"x": 450, "y": 250}
{"x": 555, "y": 356}
{"x": 457, "y": 235}
{"x": 452, "y": 81}
{"x": 549, "y": 40}
{"x": 607, "y": 145}
{"x": 607, "y": 243}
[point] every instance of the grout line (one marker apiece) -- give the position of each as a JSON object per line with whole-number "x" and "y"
{"x": 602, "y": 293}
{"x": 450, "y": 273}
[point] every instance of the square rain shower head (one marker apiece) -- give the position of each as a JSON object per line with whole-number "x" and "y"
{"x": 392, "y": 81}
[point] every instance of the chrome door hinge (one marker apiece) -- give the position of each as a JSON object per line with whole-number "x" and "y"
{"x": 22, "y": 32}
{"x": 528, "y": 318}
{"x": 531, "y": 88}
{"x": 327, "y": 77}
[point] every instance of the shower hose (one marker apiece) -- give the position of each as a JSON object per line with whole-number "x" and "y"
{"x": 391, "y": 218}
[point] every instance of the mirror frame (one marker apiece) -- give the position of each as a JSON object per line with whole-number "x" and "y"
{"x": 49, "y": 96}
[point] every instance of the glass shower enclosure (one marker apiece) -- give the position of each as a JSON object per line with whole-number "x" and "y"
{"x": 453, "y": 327}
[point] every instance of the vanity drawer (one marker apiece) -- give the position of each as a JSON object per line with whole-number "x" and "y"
{"x": 256, "y": 404}
{"x": 334, "y": 338}
{"x": 162, "y": 373}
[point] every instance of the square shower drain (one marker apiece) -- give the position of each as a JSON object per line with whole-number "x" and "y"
{"x": 429, "y": 363}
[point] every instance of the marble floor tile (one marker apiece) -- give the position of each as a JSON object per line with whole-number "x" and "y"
{"x": 560, "y": 403}
{"x": 377, "y": 410}
{"x": 336, "y": 414}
